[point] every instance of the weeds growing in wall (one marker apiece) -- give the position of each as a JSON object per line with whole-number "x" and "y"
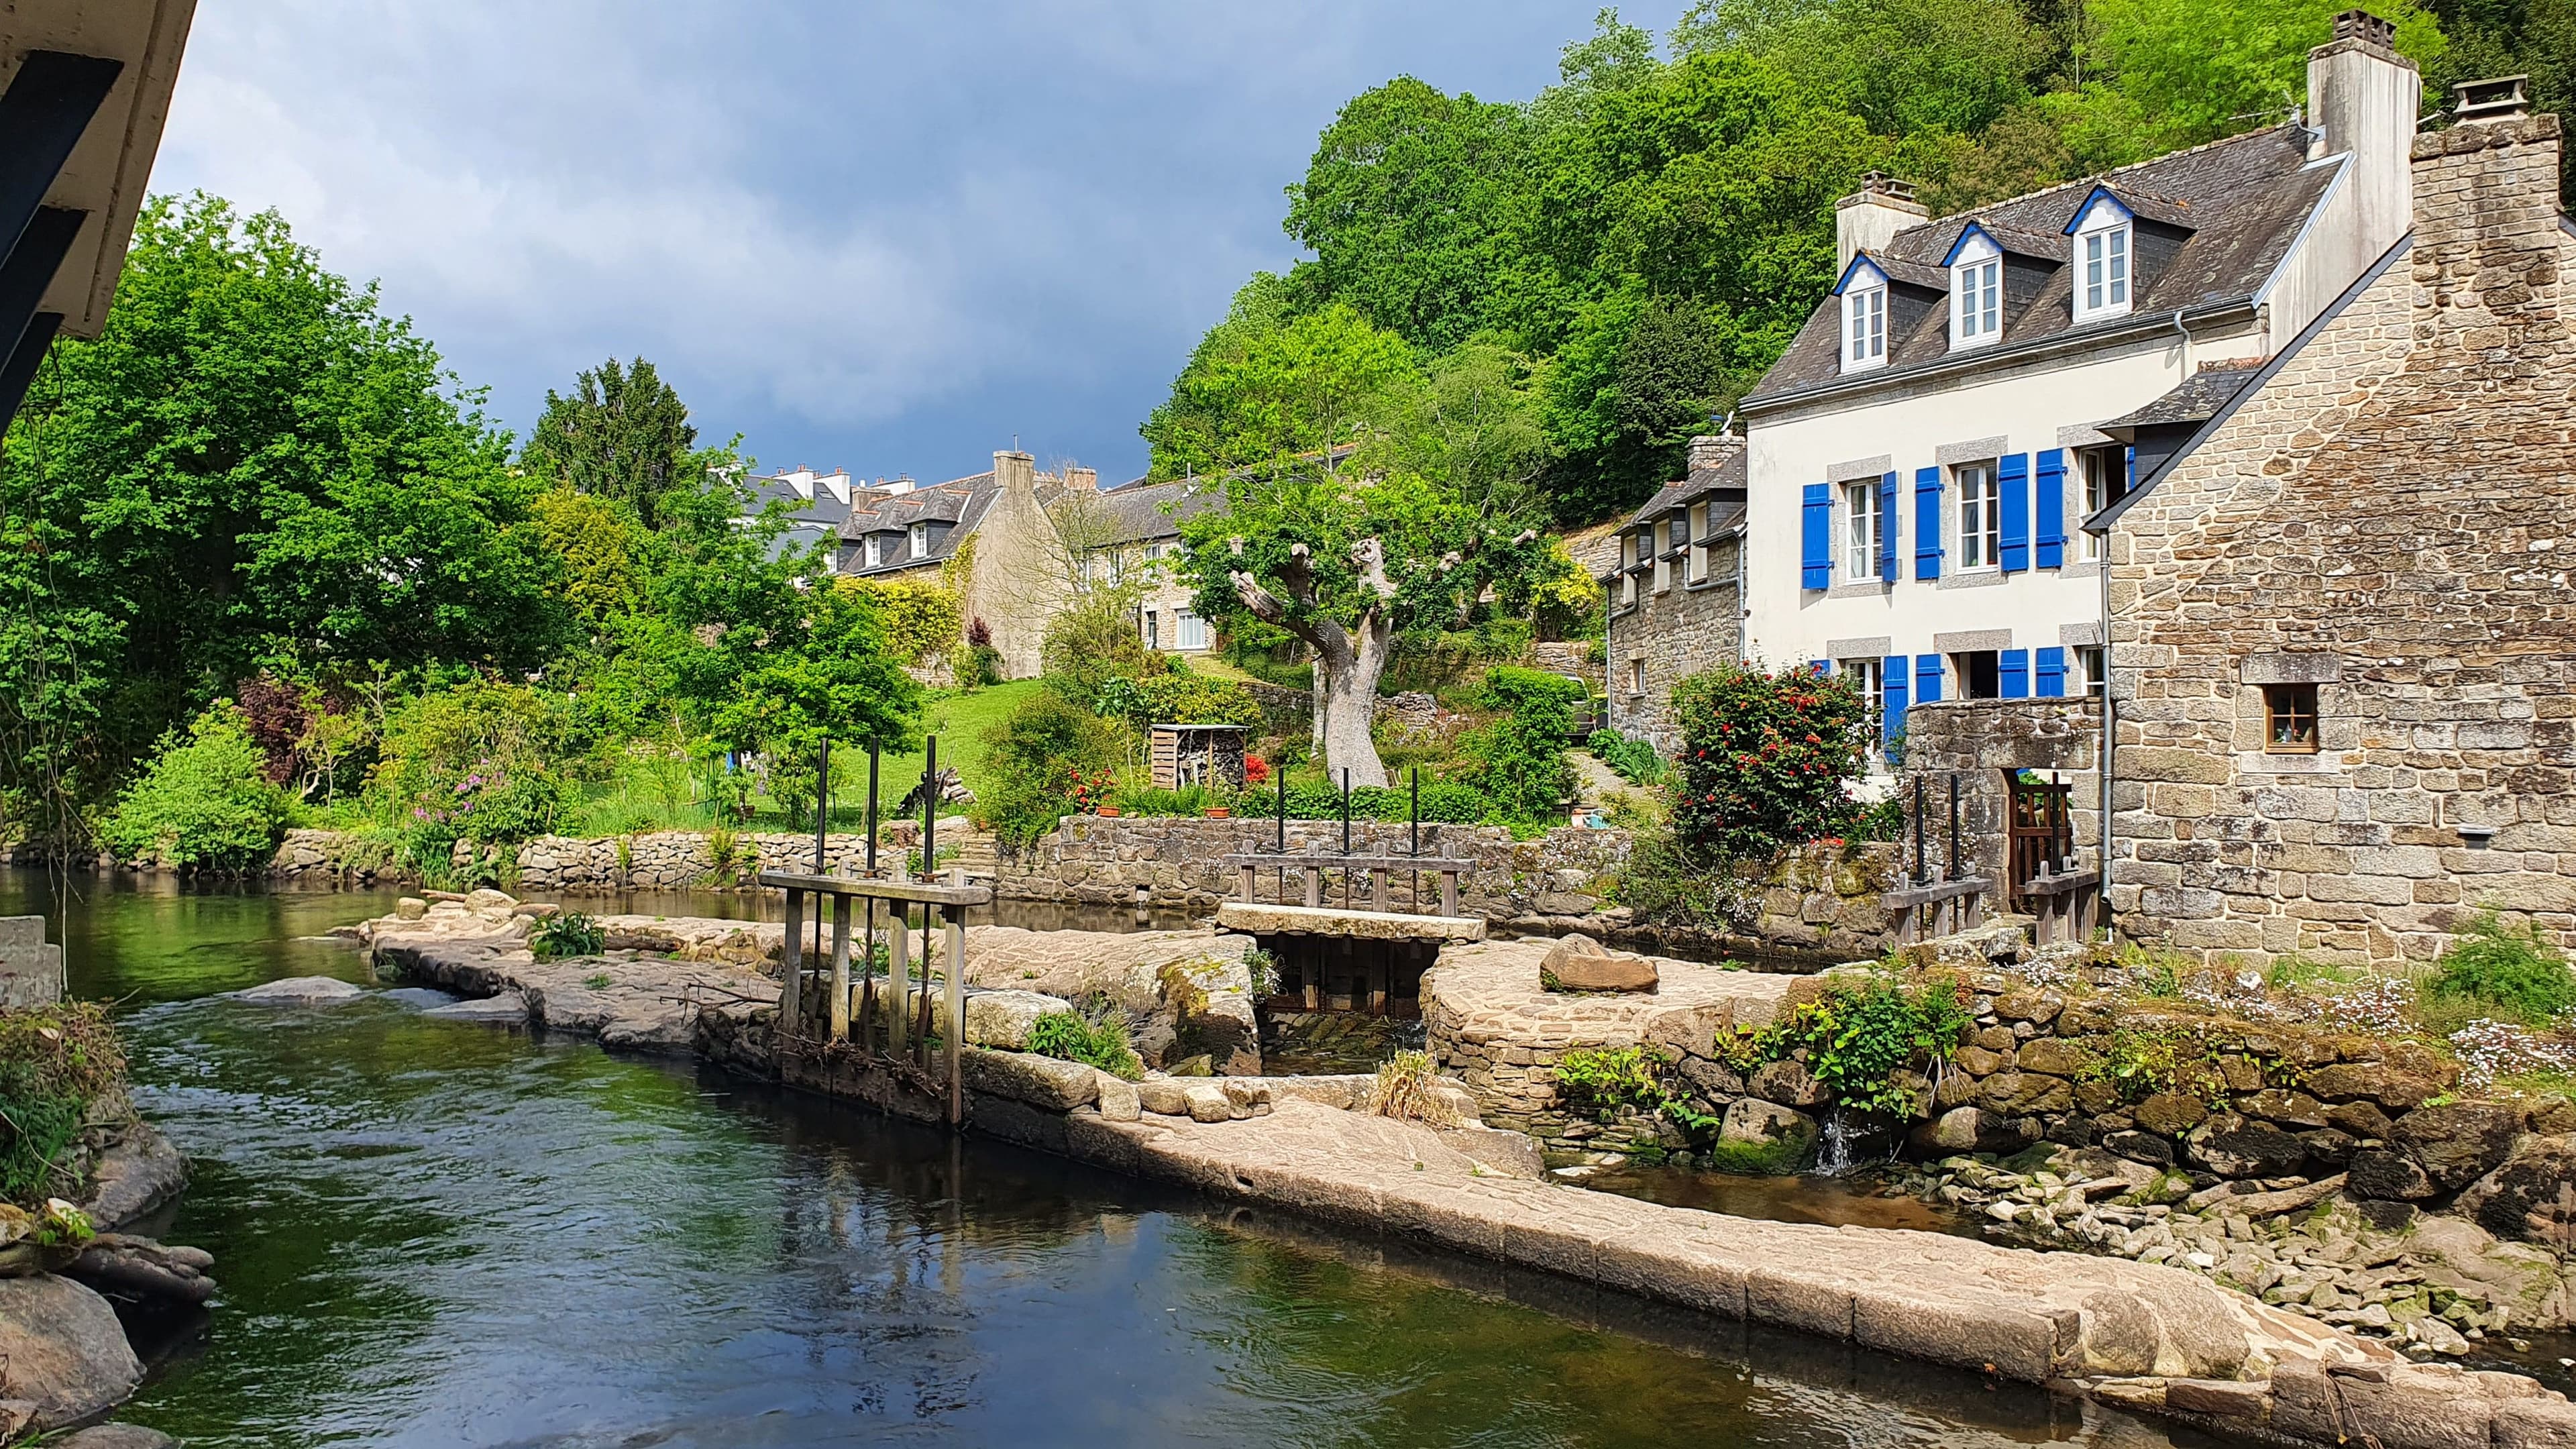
{"x": 56, "y": 1062}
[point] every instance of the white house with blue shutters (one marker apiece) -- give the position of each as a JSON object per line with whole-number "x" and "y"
{"x": 1920, "y": 460}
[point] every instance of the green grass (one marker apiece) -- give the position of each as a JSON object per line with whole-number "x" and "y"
{"x": 960, "y": 720}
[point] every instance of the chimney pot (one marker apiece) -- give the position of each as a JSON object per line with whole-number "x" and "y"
{"x": 1870, "y": 218}
{"x": 2501, "y": 99}
{"x": 2363, "y": 26}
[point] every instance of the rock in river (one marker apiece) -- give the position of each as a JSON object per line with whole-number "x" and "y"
{"x": 117, "y": 1436}
{"x": 62, "y": 1350}
{"x": 302, "y": 989}
{"x": 510, "y": 1008}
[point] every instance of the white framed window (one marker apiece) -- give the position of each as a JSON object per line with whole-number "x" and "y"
{"x": 921, "y": 540}
{"x": 1862, "y": 529}
{"x": 1865, "y": 328}
{"x": 1189, "y": 631}
{"x": 2095, "y": 661}
{"x": 1981, "y": 523}
{"x": 1699, "y": 546}
{"x": 876, "y": 549}
{"x": 1661, "y": 533}
{"x": 2106, "y": 477}
{"x": 1976, "y": 291}
{"x": 2105, "y": 292}
{"x": 1869, "y": 676}
{"x": 1637, "y": 675}
{"x": 1153, "y": 629}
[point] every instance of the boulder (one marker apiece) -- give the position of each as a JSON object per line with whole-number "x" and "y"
{"x": 1001, "y": 1018}
{"x": 2056, "y": 1056}
{"x": 138, "y": 1173}
{"x": 1207, "y": 1101}
{"x": 1966, "y": 1129}
{"x": 2232, "y": 1146}
{"x": 2026, "y": 1094}
{"x": 62, "y": 1350}
{"x": 134, "y": 1267}
{"x": 410, "y": 908}
{"x": 1164, "y": 1096}
{"x": 117, "y": 1436}
{"x": 2529, "y": 1197}
{"x": 2140, "y": 1147}
{"x": 1057, "y": 1086}
{"x": 1711, "y": 1080}
{"x": 1118, "y": 1099}
{"x": 510, "y": 1008}
{"x": 301, "y": 989}
{"x": 1787, "y": 1082}
{"x": 2382, "y": 1175}
{"x": 2361, "y": 1119}
{"x": 1579, "y": 963}
{"x": 2170, "y": 1114}
{"x": 1764, "y": 1137}
{"x": 2458, "y": 1142}
{"x": 2289, "y": 1109}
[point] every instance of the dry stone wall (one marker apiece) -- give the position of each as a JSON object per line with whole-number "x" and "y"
{"x": 2384, "y": 522}
{"x": 1980, "y": 742}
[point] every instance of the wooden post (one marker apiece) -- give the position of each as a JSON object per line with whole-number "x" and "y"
{"x": 840, "y": 968}
{"x": 1449, "y": 892}
{"x": 956, "y": 1033}
{"x": 898, "y": 980}
{"x": 1377, "y": 888}
{"x": 1314, "y": 886}
{"x": 1377, "y": 980}
{"x": 791, "y": 964}
{"x": 1249, "y": 888}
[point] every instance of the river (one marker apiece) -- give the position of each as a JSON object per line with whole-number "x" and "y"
{"x": 435, "y": 1233}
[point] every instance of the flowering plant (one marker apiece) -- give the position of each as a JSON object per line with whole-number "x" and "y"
{"x": 1765, "y": 758}
{"x": 1089, "y": 790}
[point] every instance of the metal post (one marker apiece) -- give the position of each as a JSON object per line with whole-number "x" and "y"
{"x": 1414, "y": 814}
{"x": 930, "y": 813}
{"x": 840, "y": 967}
{"x": 1346, "y": 809}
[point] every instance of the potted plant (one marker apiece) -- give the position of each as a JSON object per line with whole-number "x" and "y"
{"x": 1218, "y": 812}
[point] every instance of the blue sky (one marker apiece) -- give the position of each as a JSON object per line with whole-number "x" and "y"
{"x": 889, "y": 238}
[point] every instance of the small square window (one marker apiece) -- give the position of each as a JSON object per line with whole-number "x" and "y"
{"x": 1980, "y": 674}
{"x": 1637, "y": 675}
{"x": 2289, "y": 719}
{"x": 2095, "y": 661}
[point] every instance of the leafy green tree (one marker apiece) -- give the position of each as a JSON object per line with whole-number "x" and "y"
{"x": 1041, "y": 753}
{"x": 1904, "y": 67}
{"x": 1408, "y": 205}
{"x": 1519, "y": 759}
{"x": 252, "y": 465}
{"x": 1624, "y": 399}
{"x": 1278, "y": 387}
{"x": 622, "y": 434}
{"x": 2195, "y": 71}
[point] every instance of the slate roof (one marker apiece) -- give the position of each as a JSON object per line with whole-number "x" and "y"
{"x": 1729, "y": 473}
{"x": 2197, "y": 400}
{"x": 1136, "y": 512}
{"x": 960, "y": 502}
{"x": 2243, "y": 201}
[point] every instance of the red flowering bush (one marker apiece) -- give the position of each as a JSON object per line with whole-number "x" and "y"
{"x": 1256, "y": 770}
{"x": 1764, "y": 759}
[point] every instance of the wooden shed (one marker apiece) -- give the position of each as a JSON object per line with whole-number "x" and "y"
{"x": 1190, "y": 754}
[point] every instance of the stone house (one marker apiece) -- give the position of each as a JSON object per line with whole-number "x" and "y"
{"x": 1676, "y": 590}
{"x": 1133, "y": 534}
{"x": 1016, "y": 575}
{"x": 1978, "y": 384}
{"x": 2343, "y": 654}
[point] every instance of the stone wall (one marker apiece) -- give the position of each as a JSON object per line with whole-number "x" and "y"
{"x": 1981, "y": 741}
{"x": 1668, "y": 635}
{"x": 2384, "y": 522}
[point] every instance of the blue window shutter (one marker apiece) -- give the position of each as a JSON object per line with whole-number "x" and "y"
{"x": 2012, "y": 478}
{"x": 2051, "y": 499}
{"x": 2012, "y": 673}
{"x": 1887, "y": 529}
{"x": 2131, "y": 481}
{"x": 1927, "y": 523}
{"x": 1816, "y": 539}
{"x": 1927, "y": 678}
{"x": 2048, "y": 668}
{"x": 1892, "y": 703}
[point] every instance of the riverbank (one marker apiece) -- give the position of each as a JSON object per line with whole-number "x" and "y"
{"x": 2140, "y": 1336}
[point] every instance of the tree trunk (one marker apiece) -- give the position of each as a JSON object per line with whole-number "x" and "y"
{"x": 1350, "y": 676}
{"x": 1315, "y": 688}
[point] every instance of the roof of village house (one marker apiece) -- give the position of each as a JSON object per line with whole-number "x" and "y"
{"x": 2241, "y": 201}
{"x": 2196, "y": 400}
{"x": 1138, "y": 512}
{"x": 1729, "y": 473}
{"x": 959, "y": 501}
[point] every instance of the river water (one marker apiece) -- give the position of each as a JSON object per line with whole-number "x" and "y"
{"x": 434, "y": 1233}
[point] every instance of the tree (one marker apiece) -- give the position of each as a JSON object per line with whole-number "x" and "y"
{"x": 252, "y": 465}
{"x": 1349, "y": 562}
{"x": 623, "y": 434}
{"x": 833, "y": 678}
{"x": 1274, "y": 387}
{"x": 2195, "y": 71}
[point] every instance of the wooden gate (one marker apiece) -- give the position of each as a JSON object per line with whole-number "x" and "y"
{"x": 2042, "y": 834}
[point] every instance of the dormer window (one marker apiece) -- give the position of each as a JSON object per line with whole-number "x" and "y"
{"x": 1976, "y": 290}
{"x": 1864, "y": 294}
{"x": 2103, "y": 248}
{"x": 921, "y": 540}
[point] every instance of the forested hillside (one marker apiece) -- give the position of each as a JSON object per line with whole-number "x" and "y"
{"x": 1619, "y": 257}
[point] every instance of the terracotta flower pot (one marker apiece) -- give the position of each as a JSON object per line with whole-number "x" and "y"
{"x": 1218, "y": 812}
{"x": 1107, "y": 812}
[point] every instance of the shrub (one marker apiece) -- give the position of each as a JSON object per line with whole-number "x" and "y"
{"x": 483, "y": 762}
{"x": 1634, "y": 761}
{"x": 922, "y": 620}
{"x": 1443, "y": 801}
{"x": 1178, "y": 697}
{"x": 55, "y": 1063}
{"x": 1093, "y": 642}
{"x": 566, "y": 933}
{"x": 1034, "y": 756}
{"x": 1102, "y": 1044}
{"x": 1519, "y": 759}
{"x": 1765, "y": 758}
{"x": 204, "y": 803}
{"x": 1860, "y": 1039}
{"x": 2506, "y": 968}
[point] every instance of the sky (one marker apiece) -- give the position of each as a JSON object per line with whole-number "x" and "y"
{"x": 891, "y": 238}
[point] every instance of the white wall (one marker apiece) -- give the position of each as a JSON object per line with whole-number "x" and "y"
{"x": 2025, "y": 406}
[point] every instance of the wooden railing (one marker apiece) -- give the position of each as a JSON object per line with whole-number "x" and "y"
{"x": 802, "y": 1028}
{"x": 1312, "y": 870}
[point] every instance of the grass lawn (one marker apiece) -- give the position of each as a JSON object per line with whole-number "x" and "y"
{"x": 959, "y": 720}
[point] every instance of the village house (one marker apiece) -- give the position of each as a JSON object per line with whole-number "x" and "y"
{"x": 815, "y": 505}
{"x": 1976, "y": 385}
{"x": 2343, "y": 702}
{"x": 1676, "y": 590}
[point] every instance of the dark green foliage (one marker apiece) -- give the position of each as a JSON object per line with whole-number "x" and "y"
{"x": 1519, "y": 759}
{"x": 1102, "y": 1044}
{"x": 1765, "y": 758}
{"x": 1040, "y": 755}
{"x": 55, "y": 1062}
{"x": 623, "y": 434}
{"x": 204, "y": 803}
{"x": 2506, "y": 968}
{"x": 1444, "y": 801}
{"x": 1177, "y": 696}
{"x": 567, "y": 933}
{"x": 1635, "y": 760}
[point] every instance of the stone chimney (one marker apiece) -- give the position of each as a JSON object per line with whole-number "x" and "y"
{"x": 1871, "y": 217}
{"x": 1015, "y": 471}
{"x": 1085, "y": 479}
{"x": 1712, "y": 451}
{"x": 2488, "y": 246}
{"x": 2362, "y": 101}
